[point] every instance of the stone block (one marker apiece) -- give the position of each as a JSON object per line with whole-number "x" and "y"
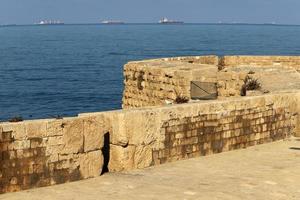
{"x": 36, "y": 128}
{"x": 118, "y": 135}
{"x": 18, "y": 131}
{"x": 55, "y": 127}
{"x": 91, "y": 164}
{"x": 55, "y": 140}
{"x": 18, "y": 145}
{"x": 94, "y": 130}
{"x": 38, "y": 142}
{"x": 143, "y": 157}
{"x": 57, "y": 149}
{"x": 121, "y": 158}
{"x": 73, "y": 136}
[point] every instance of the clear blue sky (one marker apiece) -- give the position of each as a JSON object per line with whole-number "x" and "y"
{"x": 90, "y": 11}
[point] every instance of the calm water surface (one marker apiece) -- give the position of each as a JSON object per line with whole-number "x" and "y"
{"x": 65, "y": 70}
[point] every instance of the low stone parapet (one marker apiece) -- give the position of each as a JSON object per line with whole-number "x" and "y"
{"x": 164, "y": 134}
{"x": 47, "y": 152}
{"x": 261, "y": 61}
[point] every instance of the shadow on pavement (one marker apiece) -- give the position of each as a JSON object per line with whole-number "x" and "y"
{"x": 295, "y": 148}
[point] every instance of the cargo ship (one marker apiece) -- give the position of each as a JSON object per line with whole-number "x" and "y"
{"x": 50, "y": 22}
{"x": 167, "y": 21}
{"x": 112, "y": 22}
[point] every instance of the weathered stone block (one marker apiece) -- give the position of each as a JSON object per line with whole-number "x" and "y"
{"x": 36, "y": 129}
{"x": 73, "y": 136}
{"x": 38, "y": 142}
{"x": 18, "y": 145}
{"x": 55, "y": 140}
{"x": 18, "y": 131}
{"x": 55, "y": 127}
{"x": 143, "y": 157}
{"x": 94, "y": 130}
{"x": 91, "y": 164}
{"x": 121, "y": 158}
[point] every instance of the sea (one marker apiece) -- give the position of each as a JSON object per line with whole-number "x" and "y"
{"x": 63, "y": 70}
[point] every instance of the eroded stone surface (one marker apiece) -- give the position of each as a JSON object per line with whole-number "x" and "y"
{"x": 121, "y": 158}
{"x": 73, "y": 136}
{"x": 163, "y": 81}
{"x": 36, "y": 129}
{"x": 262, "y": 172}
{"x": 91, "y": 164}
{"x": 94, "y": 130}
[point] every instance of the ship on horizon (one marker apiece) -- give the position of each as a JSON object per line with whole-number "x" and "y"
{"x": 112, "y": 22}
{"x": 167, "y": 21}
{"x": 50, "y": 22}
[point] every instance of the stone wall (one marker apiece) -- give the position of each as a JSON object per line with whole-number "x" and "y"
{"x": 146, "y": 87}
{"x": 207, "y": 60}
{"x": 162, "y": 81}
{"x": 47, "y": 152}
{"x": 262, "y": 61}
{"x": 151, "y": 83}
{"x": 145, "y": 137}
{"x": 230, "y": 84}
{"x": 273, "y": 73}
{"x": 206, "y": 134}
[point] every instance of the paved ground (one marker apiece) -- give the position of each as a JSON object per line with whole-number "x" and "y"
{"x": 270, "y": 171}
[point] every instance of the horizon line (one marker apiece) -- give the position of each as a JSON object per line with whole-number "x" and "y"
{"x": 156, "y": 23}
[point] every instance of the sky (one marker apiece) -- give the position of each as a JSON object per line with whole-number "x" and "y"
{"x": 139, "y": 11}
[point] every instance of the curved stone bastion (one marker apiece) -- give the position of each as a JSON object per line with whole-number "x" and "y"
{"x": 174, "y": 108}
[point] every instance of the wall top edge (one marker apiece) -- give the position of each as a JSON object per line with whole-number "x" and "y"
{"x": 200, "y": 104}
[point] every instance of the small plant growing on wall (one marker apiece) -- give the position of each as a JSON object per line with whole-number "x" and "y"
{"x": 221, "y": 64}
{"x": 250, "y": 84}
{"x": 181, "y": 100}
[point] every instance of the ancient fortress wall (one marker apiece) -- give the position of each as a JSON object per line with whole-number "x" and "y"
{"x": 230, "y": 83}
{"x": 146, "y": 137}
{"x": 163, "y": 81}
{"x": 262, "y": 61}
{"x": 52, "y": 151}
{"x": 207, "y": 60}
{"x": 47, "y": 152}
{"x": 152, "y": 83}
{"x": 273, "y": 73}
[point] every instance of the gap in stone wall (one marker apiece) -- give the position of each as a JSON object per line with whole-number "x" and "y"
{"x": 106, "y": 153}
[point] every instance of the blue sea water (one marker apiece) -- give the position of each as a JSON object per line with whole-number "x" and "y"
{"x": 69, "y": 69}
